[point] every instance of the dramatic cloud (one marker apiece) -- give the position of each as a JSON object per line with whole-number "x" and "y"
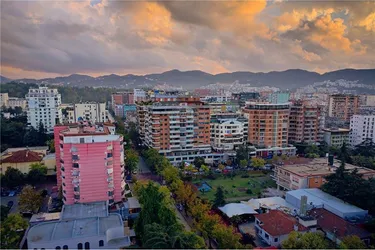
{"x": 49, "y": 38}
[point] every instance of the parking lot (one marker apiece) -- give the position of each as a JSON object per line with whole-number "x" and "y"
{"x": 6, "y": 199}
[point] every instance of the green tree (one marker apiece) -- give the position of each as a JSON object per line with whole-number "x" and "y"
{"x": 366, "y": 148}
{"x": 243, "y": 163}
{"x": 258, "y": 162}
{"x": 226, "y": 237}
{"x": 205, "y": 169}
{"x": 312, "y": 149}
{"x": 242, "y": 153}
{"x": 4, "y": 212}
{"x": 42, "y": 136}
{"x": 30, "y": 200}
{"x": 352, "y": 242}
{"x": 198, "y": 162}
{"x": 219, "y": 197}
{"x": 10, "y": 228}
{"x": 37, "y": 173}
{"x": 309, "y": 240}
{"x": 170, "y": 174}
{"x": 131, "y": 160}
{"x": 51, "y": 145}
{"x": 12, "y": 178}
{"x": 31, "y": 137}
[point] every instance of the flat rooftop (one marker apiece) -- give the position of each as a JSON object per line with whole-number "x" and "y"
{"x": 73, "y": 228}
{"x": 337, "y": 130}
{"x": 42, "y": 217}
{"x": 84, "y": 210}
{"x": 319, "y": 198}
{"x": 319, "y": 167}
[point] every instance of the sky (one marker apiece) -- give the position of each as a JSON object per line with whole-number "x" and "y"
{"x": 53, "y": 38}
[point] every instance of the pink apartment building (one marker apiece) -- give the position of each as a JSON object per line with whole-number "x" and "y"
{"x": 90, "y": 163}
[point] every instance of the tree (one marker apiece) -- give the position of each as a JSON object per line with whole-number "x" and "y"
{"x": 4, "y": 212}
{"x": 221, "y": 167}
{"x": 30, "y": 200}
{"x": 51, "y": 145}
{"x": 131, "y": 160}
{"x": 31, "y": 137}
{"x": 219, "y": 197}
{"x": 12, "y": 178}
{"x": 187, "y": 195}
{"x": 205, "y": 169}
{"x": 198, "y": 162}
{"x": 242, "y": 153}
{"x": 309, "y": 240}
{"x": 170, "y": 174}
{"x": 243, "y": 163}
{"x": 312, "y": 149}
{"x": 226, "y": 237}
{"x": 37, "y": 173}
{"x": 258, "y": 162}
{"x": 10, "y": 236}
{"x": 206, "y": 225}
{"x": 42, "y": 136}
{"x": 352, "y": 242}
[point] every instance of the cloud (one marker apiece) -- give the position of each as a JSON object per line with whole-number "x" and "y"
{"x": 94, "y": 37}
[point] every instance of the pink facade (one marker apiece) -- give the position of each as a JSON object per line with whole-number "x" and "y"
{"x": 90, "y": 164}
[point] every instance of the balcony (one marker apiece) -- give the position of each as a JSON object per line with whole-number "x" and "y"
{"x": 75, "y": 157}
{"x": 110, "y": 171}
{"x": 75, "y": 165}
{"x": 110, "y": 185}
{"x": 77, "y": 196}
{"x": 75, "y": 182}
{"x": 75, "y": 173}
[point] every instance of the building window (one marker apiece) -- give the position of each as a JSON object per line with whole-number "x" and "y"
{"x": 266, "y": 235}
{"x": 101, "y": 243}
{"x": 82, "y": 140}
{"x": 65, "y": 247}
{"x": 80, "y": 246}
{"x": 58, "y": 247}
{"x": 276, "y": 239}
{"x": 87, "y": 245}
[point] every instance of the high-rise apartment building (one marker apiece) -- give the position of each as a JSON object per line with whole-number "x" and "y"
{"x": 362, "y": 128}
{"x": 268, "y": 124}
{"x": 228, "y": 131}
{"x": 4, "y": 98}
{"x": 180, "y": 129}
{"x": 279, "y": 97}
{"x": 44, "y": 107}
{"x": 343, "y": 106}
{"x": 119, "y": 100}
{"x": 90, "y": 111}
{"x": 304, "y": 122}
{"x": 90, "y": 163}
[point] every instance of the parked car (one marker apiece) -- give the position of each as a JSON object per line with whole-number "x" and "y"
{"x": 12, "y": 193}
{"x": 218, "y": 170}
{"x": 10, "y": 204}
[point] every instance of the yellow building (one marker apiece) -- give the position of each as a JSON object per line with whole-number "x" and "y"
{"x": 21, "y": 160}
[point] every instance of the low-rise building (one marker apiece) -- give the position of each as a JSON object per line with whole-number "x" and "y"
{"x": 14, "y": 102}
{"x": 312, "y": 174}
{"x": 336, "y": 137}
{"x": 89, "y": 111}
{"x": 4, "y": 98}
{"x": 85, "y": 225}
{"x": 275, "y": 226}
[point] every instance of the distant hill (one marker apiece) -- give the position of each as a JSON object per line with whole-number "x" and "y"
{"x": 289, "y": 79}
{"x": 4, "y": 79}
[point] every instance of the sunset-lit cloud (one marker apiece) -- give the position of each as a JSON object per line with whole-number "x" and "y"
{"x": 51, "y": 38}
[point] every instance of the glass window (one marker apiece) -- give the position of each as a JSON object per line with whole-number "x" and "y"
{"x": 101, "y": 243}
{"x": 87, "y": 245}
{"x": 65, "y": 247}
{"x": 80, "y": 246}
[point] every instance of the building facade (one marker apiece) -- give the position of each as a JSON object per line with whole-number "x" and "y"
{"x": 90, "y": 163}
{"x": 44, "y": 107}
{"x": 17, "y": 102}
{"x": 342, "y": 106}
{"x": 4, "y": 98}
{"x": 268, "y": 124}
{"x": 119, "y": 100}
{"x": 336, "y": 137}
{"x": 90, "y": 111}
{"x": 279, "y": 97}
{"x": 362, "y": 127}
{"x": 228, "y": 131}
{"x": 180, "y": 129}
{"x": 304, "y": 123}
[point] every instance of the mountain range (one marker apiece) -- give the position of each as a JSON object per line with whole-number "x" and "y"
{"x": 289, "y": 79}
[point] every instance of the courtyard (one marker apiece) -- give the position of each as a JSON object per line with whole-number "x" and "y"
{"x": 236, "y": 188}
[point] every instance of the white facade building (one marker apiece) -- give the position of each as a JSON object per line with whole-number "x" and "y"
{"x": 4, "y": 98}
{"x": 139, "y": 95}
{"x": 94, "y": 112}
{"x": 17, "y": 102}
{"x": 362, "y": 127}
{"x": 44, "y": 107}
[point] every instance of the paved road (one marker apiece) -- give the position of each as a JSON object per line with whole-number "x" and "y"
{"x": 142, "y": 167}
{"x": 6, "y": 199}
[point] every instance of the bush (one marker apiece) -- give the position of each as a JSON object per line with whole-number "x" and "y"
{"x": 187, "y": 178}
{"x": 128, "y": 195}
{"x": 134, "y": 179}
{"x": 245, "y": 176}
{"x": 249, "y": 191}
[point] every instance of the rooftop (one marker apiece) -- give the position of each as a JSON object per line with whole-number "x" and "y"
{"x": 73, "y": 228}
{"x": 276, "y": 223}
{"x": 337, "y": 130}
{"x": 330, "y": 222}
{"x": 319, "y": 198}
{"x": 133, "y": 203}
{"x": 85, "y": 210}
{"x": 9, "y": 150}
{"x": 42, "y": 217}
{"x": 22, "y": 156}
{"x": 319, "y": 167}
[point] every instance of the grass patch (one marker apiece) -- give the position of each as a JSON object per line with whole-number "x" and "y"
{"x": 237, "y": 186}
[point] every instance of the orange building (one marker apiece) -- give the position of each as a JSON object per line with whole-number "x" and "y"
{"x": 343, "y": 106}
{"x": 268, "y": 124}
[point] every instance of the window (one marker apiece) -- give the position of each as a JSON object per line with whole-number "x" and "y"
{"x": 266, "y": 235}
{"x": 80, "y": 246}
{"x": 65, "y": 247}
{"x": 87, "y": 245}
{"x": 82, "y": 140}
{"x": 276, "y": 239}
{"x": 58, "y": 247}
{"x": 101, "y": 243}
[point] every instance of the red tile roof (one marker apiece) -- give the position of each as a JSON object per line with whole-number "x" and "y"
{"x": 23, "y": 156}
{"x": 330, "y": 222}
{"x": 277, "y": 223}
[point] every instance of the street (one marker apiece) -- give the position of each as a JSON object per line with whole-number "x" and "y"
{"x": 142, "y": 167}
